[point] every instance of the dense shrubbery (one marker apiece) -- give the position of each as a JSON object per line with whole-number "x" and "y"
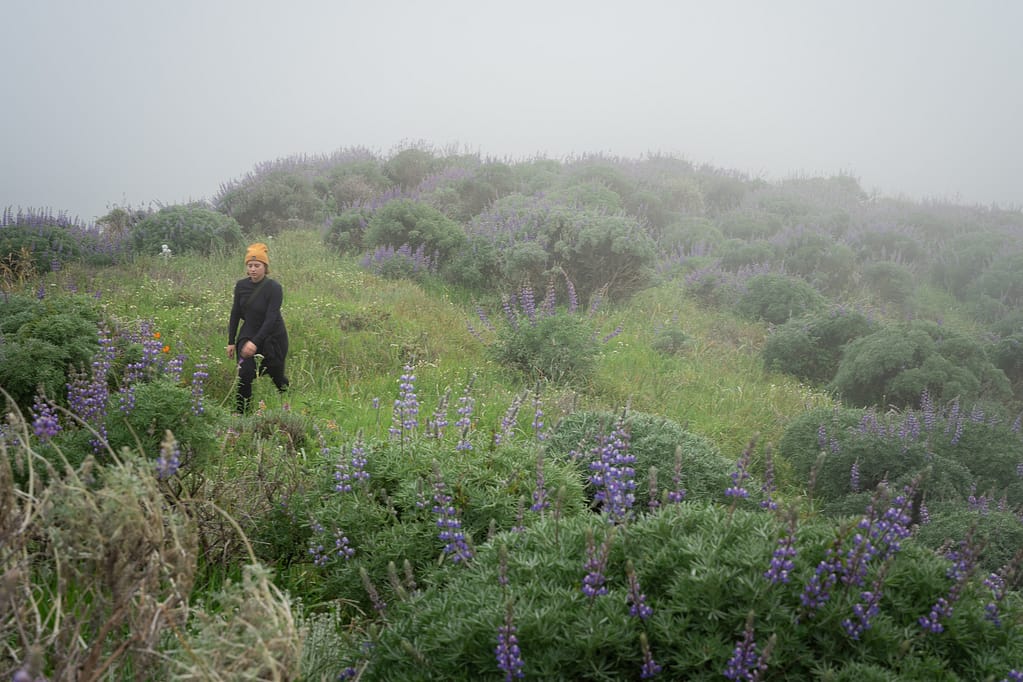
{"x": 895, "y": 364}
{"x": 776, "y": 298}
{"x": 185, "y": 229}
{"x": 35, "y": 242}
{"x": 41, "y": 341}
{"x": 810, "y": 347}
{"x": 404, "y": 222}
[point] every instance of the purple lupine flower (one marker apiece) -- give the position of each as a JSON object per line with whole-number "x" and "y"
{"x": 466, "y": 404}
{"x": 854, "y": 477}
{"x": 540, "y": 501}
{"x": 379, "y": 605}
{"x": 612, "y": 474}
{"x": 1014, "y": 676}
{"x": 547, "y": 305}
{"x": 199, "y": 377}
{"x": 617, "y": 330}
{"x": 638, "y": 607}
{"x": 822, "y": 437}
{"x": 782, "y": 563}
{"x": 509, "y": 420}
{"x": 527, "y": 303}
{"x": 677, "y": 493}
{"x": 175, "y": 367}
{"x": 342, "y": 548}
{"x": 405, "y": 416}
{"x": 864, "y": 612}
{"x": 508, "y": 305}
{"x": 448, "y": 522}
{"x": 817, "y": 590}
{"x": 650, "y": 667}
{"x": 169, "y": 461}
{"x": 439, "y": 421}
{"x": 746, "y": 663}
{"x": 509, "y": 657}
{"x": 45, "y": 423}
{"x": 358, "y": 461}
{"x": 927, "y": 408}
{"x": 964, "y": 562}
{"x": 741, "y": 474}
{"x": 573, "y": 298}
{"x": 596, "y": 563}
{"x": 484, "y": 319}
{"x": 996, "y": 584}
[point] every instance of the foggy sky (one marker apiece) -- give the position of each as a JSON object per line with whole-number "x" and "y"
{"x": 129, "y": 102}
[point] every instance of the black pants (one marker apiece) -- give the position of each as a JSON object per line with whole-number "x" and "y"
{"x": 247, "y": 372}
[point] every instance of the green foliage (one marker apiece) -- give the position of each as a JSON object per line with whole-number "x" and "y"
{"x": 592, "y": 195}
{"x": 162, "y": 406}
{"x": 949, "y": 455}
{"x": 409, "y": 167}
{"x": 670, "y": 340}
{"x": 270, "y": 202}
{"x": 404, "y": 221}
{"x": 701, "y": 570}
{"x": 186, "y": 229}
{"x": 736, "y": 254}
{"x": 777, "y": 298}
{"x": 40, "y": 340}
{"x": 656, "y": 443}
{"x": 998, "y": 534}
{"x": 42, "y": 243}
{"x": 891, "y": 282}
{"x": 560, "y": 348}
{"x": 345, "y": 231}
{"x": 810, "y": 347}
{"x": 895, "y": 364}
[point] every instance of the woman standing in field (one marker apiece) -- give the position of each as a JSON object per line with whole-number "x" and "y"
{"x": 257, "y": 304}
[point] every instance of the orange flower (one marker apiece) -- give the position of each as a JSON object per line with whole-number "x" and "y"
{"x": 166, "y": 349}
{"x": 156, "y": 335}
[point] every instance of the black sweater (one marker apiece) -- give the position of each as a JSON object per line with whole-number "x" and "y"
{"x": 258, "y": 307}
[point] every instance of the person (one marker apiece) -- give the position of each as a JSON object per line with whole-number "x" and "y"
{"x": 257, "y": 305}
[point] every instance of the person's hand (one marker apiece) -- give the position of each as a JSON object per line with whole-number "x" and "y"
{"x": 248, "y": 349}
{"x": 230, "y": 351}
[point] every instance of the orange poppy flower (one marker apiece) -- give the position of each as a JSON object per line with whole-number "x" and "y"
{"x": 156, "y": 335}
{"x": 166, "y": 349}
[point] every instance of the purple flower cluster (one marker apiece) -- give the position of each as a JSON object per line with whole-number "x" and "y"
{"x": 509, "y": 656}
{"x": 169, "y": 461}
{"x": 612, "y": 474}
{"x": 677, "y": 493}
{"x": 466, "y": 405}
{"x": 439, "y": 421}
{"x": 594, "y": 582}
{"x": 540, "y": 501}
{"x": 782, "y": 564}
{"x": 509, "y": 420}
{"x": 964, "y": 562}
{"x": 638, "y": 608}
{"x": 740, "y": 475}
{"x": 865, "y": 611}
{"x": 650, "y": 667}
{"x": 199, "y": 377}
{"x": 45, "y": 423}
{"x": 448, "y": 523}
{"x": 995, "y": 583}
{"x": 746, "y": 663}
{"x": 405, "y": 416}
{"x": 352, "y": 471}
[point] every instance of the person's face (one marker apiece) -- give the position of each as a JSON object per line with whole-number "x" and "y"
{"x": 255, "y": 269}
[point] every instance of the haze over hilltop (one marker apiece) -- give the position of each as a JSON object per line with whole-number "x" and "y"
{"x": 118, "y": 102}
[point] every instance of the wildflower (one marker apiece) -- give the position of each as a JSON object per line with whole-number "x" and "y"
{"x": 741, "y": 474}
{"x": 448, "y": 523}
{"x": 540, "y": 501}
{"x": 45, "y": 423}
{"x": 613, "y": 475}
{"x": 436, "y": 424}
{"x": 854, "y": 477}
{"x": 199, "y": 377}
{"x": 746, "y": 663}
{"x": 782, "y": 565}
{"x": 341, "y": 546}
{"x": 678, "y": 493}
{"x": 636, "y": 599}
{"x": 406, "y": 407}
{"x": 650, "y": 667}
{"x": 379, "y": 605}
{"x": 596, "y": 564}
{"x": 509, "y": 420}
{"x": 466, "y": 404}
{"x": 509, "y": 657}
{"x": 964, "y": 562}
{"x": 169, "y": 461}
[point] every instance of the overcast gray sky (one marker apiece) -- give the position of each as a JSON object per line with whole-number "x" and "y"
{"x": 135, "y": 101}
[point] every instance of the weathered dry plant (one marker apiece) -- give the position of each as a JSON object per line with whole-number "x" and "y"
{"x": 97, "y": 566}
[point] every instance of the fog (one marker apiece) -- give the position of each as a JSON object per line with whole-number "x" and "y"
{"x": 118, "y": 102}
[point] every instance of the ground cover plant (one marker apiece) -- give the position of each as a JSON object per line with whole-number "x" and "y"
{"x": 547, "y": 420}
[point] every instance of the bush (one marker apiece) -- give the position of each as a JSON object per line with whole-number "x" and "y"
{"x": 409, "y": 167}
{"x": 701, "y": 571}
{"x": 417, "y": 225}
{"x": 776, "y": 298}
{"x": 186, "y": 229}
{"x": 561, "y": 348}
{"x": 891, "y": 282}
{"x": 40, "y": 340}
{"x": 897, "y": 363}
{"x": 655, "y": 442}
{"x": 810, "y": 347}
{"x": 267, "y": 203}
{"x": 345, "y": 231}
{"x": 999, "y": 533}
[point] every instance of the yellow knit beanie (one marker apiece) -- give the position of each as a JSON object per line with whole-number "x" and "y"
{"x": 258, "y": 251}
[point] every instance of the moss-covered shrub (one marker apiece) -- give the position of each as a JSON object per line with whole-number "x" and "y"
{"x": 186, "y": 229}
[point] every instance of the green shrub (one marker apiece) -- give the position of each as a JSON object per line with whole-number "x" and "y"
{"x": 897, "y": 363}
{"x": 267, "y": 203}
{"x": 810, "y": 347}
{"x": 655, "y": 442}
{"x": 560, "y": 348}
{"x": 409, "y": 167}
{"x": 998, "y": 533}
{"x": 670, "y": 340}
{"x": 346, "y": 230}
{"x": 407, "y": 222}
{"x": 701, "y": 571}
{"x": 40, "y": 340}
{"x": 186, "y": 229}
{"x": 736, "y": 254}
{"x": 891, "y": 282}
{"x": 777, "y": 298}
